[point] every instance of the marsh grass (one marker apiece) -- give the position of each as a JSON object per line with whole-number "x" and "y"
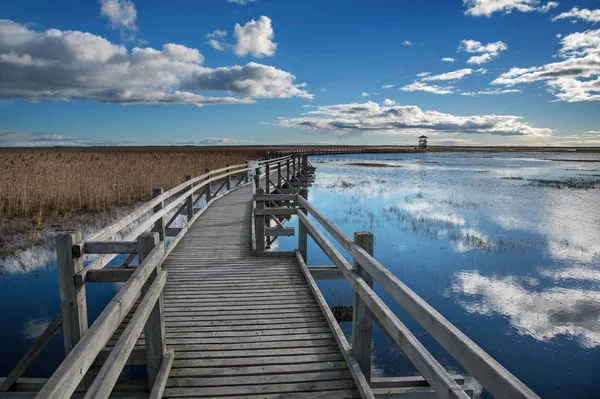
{"x": 373, "y": 165}
{"x": 41, "y": 186}
{"x": 574, "y": 182}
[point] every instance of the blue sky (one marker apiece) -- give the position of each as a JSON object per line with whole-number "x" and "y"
{"x": 524, "y": 72}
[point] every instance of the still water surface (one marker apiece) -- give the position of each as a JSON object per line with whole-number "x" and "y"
{"x": 506, "y": 246}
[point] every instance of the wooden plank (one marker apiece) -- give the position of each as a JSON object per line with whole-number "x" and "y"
{"x": 275, "y": 211}
{"x": 34, "y": 350}
{"x": 65, "y": 379}
{"x": 486, "y": 370}
{"x": 279, "y": 378}
{"x": 326, "y": 273}
{"x": 361, "y": 382}
{"x": 163, "y": 374}
{"x": 404, "y": 382}
{"x": 362, "y": 319}
{"x": 106, "y": 379}
{"x": 278, "y": 231}
{"x": 411, "y": 347}
{"x": 72, "y": 298}
{"x": 154, "y": 329}
{"x": 110, "y": 274}
{"x": 110, "y": 247}
{"x": 261, "y": 197}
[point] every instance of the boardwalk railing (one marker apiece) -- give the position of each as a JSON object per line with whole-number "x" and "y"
{"x": 368, "y": 306}
{"x": 130, "y": 239}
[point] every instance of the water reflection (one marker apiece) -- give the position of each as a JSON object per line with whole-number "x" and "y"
{"x": 540, "y": 314}
{"x": 33, "y": 328}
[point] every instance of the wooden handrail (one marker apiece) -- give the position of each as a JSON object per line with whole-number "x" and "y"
{"x": 424, "y": 362}
{"x": 486, "y": 370}
{"x": 72, "y": 370}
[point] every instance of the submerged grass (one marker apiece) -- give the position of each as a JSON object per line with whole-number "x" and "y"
{"x": 574, "y": 182}
{"x": 374, "y": 165}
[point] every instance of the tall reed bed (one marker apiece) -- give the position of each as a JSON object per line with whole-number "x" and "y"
{"x": 35, "y": 183}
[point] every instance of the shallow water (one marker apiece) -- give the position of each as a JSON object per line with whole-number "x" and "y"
{"x": 512, "y": 260}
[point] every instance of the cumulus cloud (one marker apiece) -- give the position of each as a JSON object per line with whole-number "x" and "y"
{"x": 406, "y": 43}
{"x": 64, "y": 65}
{"x": 448, "y": 59}
{"x": 487, "y": 52}
{"x": 365, "y": 94}
{"x": 389, "y": 102}
{"x": 573, "y": 79}
{"x": 251, "y": 80}
{"x": 372, "y": 118}
{"x": 576, "y": 13}
{"x": 486, "y": 8}
{"x": 420, "y": 86}
{"x": 255, "y": 38}
{"x": 216, "y": 39}
{"x": 122, "y": 15}
{"x": 453, "y": 75}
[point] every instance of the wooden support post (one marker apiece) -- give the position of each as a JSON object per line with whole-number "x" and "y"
{"x": 228, "y": 178}
{"x": 362, "y": 319}
{"x": 259, "y": 224}
{"x": 190, "y": 201}
{"x": 247, "y": 172}
{"x": 72, "y": 298}
{"x": 302, "y": 232}
{"x": 208, "y": 186}
{"x": 257, "y": 178}
{"x": 287, "y": 170}
{"x": 154, "y": 329}
{"x": 267, "y": 179}
{"x": 304, "y": 164}
{"x": 159, "y": 225}
{"x": 279, "y": 177}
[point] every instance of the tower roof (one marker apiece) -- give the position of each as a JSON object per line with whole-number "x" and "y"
{"x": 423, "y": 137}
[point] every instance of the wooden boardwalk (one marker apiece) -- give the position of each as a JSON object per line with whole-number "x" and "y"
{"x": 242, "y": 325}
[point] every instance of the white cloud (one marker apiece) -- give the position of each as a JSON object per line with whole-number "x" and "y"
{"x": 448, "y": 59}
{"x": 389, "y": 102}
{"x": 423, "y": 74}
{"x": 365, "y": 94}
{"x": 486, "y": 8}
{"x": 576, "y": 13}
{"x": 420, "y": 86}
{"x": 322, "y": 90}
{"x": 488, "y": 51}
{"x": 216, "y": 39}
{"x": 241, "y": 2}
{"x": 454, "y": 75}
{"x": 406, "y": 43}
{"x": 122, "y": 15}
{"x": 255, "y": 38}
{"x": 372, "y": 118}
{"x": 65, "y": 65}
{"x": 575, "y": 78}
{"x": 489, "y": 92}
{"x": 387, "y": 86}
{"x": 251, "y": 80}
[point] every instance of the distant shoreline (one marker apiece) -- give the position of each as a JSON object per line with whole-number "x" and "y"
{"x": 379, "y": 148}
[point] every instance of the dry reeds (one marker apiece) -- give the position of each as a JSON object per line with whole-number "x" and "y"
{"x": 39, "y": 182}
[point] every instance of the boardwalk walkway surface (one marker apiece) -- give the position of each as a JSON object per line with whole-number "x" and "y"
{"x": 244, "y": 326}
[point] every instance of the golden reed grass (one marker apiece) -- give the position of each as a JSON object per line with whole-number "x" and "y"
{"x": 42, "y": 182}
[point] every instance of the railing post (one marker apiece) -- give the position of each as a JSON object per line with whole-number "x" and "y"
{"x": 279, "y": 175}
{"x": 72, "y": 298}
{"x": 247, "y": 171}
{"x": 154, "y": 330}
{"x": 189, "y": 201}
{"x": 302, "y": 232}
{"x": 362, "y": 319}
{"x": 287, "y": 170}
{"x": 259, "y": 224}
{"x": 208, "y": 186}
{"x": 228, "y": 178}
{"x": 159, "y": 225}
{"x": 257, "y": 178}
{"x": 267, "y": 178}
{"x": 304, "y": 164}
